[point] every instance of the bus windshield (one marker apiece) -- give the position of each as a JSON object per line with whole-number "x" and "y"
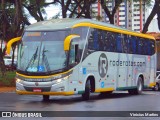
{"x": 42, "y": 52}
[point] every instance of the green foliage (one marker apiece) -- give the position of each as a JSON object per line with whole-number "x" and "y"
{"x": 8, "y": 79}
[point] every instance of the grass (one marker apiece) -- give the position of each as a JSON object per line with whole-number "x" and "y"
{"x": 8, "y": 79}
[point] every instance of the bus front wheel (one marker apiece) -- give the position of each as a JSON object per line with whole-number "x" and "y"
{"x": 45, "y": 97}
{"x": 86, "y": 94}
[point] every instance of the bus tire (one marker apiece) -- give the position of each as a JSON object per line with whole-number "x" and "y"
{"x": 156, "y": 87}
{"x": 139, "y": 88}
{"x": 45, "y": 97}
{"x": 106, "y": 93}
{"x": 86, "y": 94}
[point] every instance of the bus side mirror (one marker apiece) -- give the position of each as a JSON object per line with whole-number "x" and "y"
{"x": 67, "y": 41}
{"x": 9, "y": 44}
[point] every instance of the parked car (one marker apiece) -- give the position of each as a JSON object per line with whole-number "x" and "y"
{"x": 157, "y": 86}
{"x": 8, "y": 63}
{"x": 7, "y": 60}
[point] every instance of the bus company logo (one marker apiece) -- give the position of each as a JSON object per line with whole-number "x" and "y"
{"x": 103, "y": 65}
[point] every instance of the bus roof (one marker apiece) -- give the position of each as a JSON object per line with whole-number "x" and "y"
{"x": 65, "y": 23}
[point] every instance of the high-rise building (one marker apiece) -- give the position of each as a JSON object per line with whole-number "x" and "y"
{"x": 130, "y": 14}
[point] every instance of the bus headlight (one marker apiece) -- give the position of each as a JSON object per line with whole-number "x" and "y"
{"x": 18, "y": 80}
{"x": 61, "y": 79}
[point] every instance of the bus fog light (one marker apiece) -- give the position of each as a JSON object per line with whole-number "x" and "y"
{"x": 62, "y": 88}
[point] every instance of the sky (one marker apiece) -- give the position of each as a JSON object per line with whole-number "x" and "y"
{"x": 51, "y": 11}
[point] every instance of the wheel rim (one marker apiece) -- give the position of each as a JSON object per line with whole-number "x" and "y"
{"x": 140, "y": 86}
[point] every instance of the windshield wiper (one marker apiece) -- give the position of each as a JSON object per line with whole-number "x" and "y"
{"x": 45, "y": 59}
{"x": 32, "y": 60}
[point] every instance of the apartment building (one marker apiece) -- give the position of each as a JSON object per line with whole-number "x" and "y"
{"x": 130, "y": 14}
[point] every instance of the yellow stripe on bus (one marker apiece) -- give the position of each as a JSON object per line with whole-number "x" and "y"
{"x": 23, "y": 92}
{"x": 87, "y": 24}
{"x": 152, "y": 84}
{"x": 104, "y": 89}
{"x": 26, "y": 76}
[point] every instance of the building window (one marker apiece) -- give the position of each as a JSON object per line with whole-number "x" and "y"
{"x": 121, "y": 15}
{"x": 136, "y": 19}
{"x": 121, "y": 20}
{"x": 136, "y": 29}
{"x": 136, "y": 14}
{"x": 121, "y": 10}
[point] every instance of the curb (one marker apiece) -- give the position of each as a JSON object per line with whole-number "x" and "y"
{"x": 7, "y": 89}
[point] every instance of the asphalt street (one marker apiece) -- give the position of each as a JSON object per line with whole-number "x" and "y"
{"x": 118, "y": 101}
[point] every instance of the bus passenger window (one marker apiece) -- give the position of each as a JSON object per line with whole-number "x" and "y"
{"x": 134, "y": 44}
{"x": 93, "y": 41}
{"x": 106, "y": 42}
{"x": 118, "y": 42}
{"x": 130, "y": 47}
{"x": 90, "y": 41}
{"x": 152, "y": 47}
{"x": 141, "y": 46}
{"x": 125, "y": 43}
{"x": 145, "y": 47}
{"x": 112, "y": 42}
{"x": 100, "y": 40}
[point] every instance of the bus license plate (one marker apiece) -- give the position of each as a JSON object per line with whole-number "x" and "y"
{"x": 37, "y": 90}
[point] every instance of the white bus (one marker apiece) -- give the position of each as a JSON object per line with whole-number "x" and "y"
{"x": 80, "y": 56}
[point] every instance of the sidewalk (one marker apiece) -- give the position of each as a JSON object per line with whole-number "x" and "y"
{"x": 7, "y": 89}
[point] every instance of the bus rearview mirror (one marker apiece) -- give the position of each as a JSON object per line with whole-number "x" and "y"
{"x": 68, "y": 40}
{"x": 9, "y": 44}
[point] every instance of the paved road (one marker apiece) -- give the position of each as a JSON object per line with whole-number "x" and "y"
{"x": 121, "y": 101}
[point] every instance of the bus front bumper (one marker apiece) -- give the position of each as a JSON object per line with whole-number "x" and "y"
{"x": 23, "y": 92}
{"x": 55, "y": 87}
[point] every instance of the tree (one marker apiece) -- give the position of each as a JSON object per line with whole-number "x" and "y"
{"x": 112, "y": 13}
{"x": 12, "y": 23}
{"x": 117, "y": 3}
{"x": 155, "y": 10}
{"x": 86, "y": 8}
{"x": 36, "y": 8}
{"x": 75, "y": 8}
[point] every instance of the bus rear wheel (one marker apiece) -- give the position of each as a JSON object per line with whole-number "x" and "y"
{"x": 86, "y": 94}
{"x": 139, "y": 88}
{"x": 45, "y": 97}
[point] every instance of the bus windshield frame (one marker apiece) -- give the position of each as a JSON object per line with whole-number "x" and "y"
{"x": 42, "y": 52}
{"x": 35, "y": 58}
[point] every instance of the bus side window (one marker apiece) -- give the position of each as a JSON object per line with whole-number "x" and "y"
{"x": 95, "y": 40}
{"x": 90, "y": 41}
{"x": 141, "y": 46}
{"x": 134, "y": 44}
{"x": 152, "y": 47}
{"x": 112, "y": 41}
{"x": 106, "y": 42}
{"x": 145, "y": 47}
{"x": 125, "y": 43}
{"x": 130, "y": 49}
{"x": 148, "y": 47}
{"x": 118, "y": 42}
{"x": 100, "y": 40}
